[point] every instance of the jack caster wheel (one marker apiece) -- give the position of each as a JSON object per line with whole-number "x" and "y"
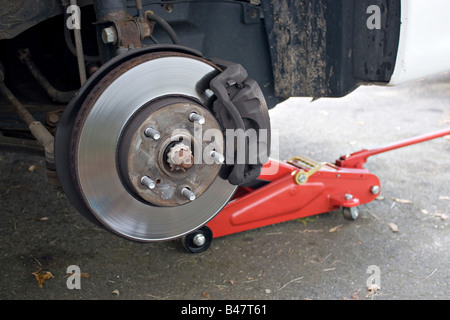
{"x": 350, "y": 213}
{"x": 198, "y": 241}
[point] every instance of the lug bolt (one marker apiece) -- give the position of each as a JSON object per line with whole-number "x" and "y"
{"x": 217, "y": 157}
{"x": 194, "y": 117}
{"x": 149, "y": 183}
{"x": 152, "y": 133}
{"x": 188, "y": 194}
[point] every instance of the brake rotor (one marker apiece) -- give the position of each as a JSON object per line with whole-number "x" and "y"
{"x": 133, "y": 147}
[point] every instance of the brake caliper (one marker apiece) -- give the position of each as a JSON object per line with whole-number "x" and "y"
{"x": 242, "y": 111}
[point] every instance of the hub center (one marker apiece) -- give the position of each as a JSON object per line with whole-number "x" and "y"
{"x": 158, "y": 148}
{"x": 180, "y": 157}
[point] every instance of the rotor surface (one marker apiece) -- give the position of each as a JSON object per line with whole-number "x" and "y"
{"x": 109, "y": 183}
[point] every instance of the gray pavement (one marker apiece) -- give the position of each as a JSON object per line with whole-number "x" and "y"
{"x": 324, "y": 257}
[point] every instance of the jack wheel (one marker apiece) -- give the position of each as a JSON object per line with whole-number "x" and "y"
{"x": 198, "y": 241}
{"x": 350, "y": 213}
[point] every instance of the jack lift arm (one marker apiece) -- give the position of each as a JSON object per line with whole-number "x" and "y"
{"x": 298, "y": 188}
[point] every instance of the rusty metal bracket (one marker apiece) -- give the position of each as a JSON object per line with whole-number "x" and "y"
{"x": 55, "y": 94}
{"x": 37, "y": 129}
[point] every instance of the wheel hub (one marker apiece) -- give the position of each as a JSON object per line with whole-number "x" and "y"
{"x": 156, "y": 167}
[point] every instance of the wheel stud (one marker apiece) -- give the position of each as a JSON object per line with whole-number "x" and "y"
{"x": 194, "y": 117}
{"x": 217, "y": 157}
{"x": 152, "y": 133}
{"x": 149, "y": 183}
{"x": 188, "y": 194}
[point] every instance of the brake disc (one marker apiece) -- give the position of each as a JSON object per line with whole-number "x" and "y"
{"x": 125, "y": 147}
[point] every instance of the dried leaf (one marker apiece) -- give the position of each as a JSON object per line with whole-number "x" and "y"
{"x": 116, "y": 292}
{"x": 82, "y": 274}
{"x": 335, "y": 228}
{"x": 305, "y": 220}
{"x": 393, "y": 226}
{"x": 206, "y": 295}
{"x": 401, "y": 200}
{"x": 443, "y": 216}
{"x": 379, "y": 198}
{"x": 32, "y": 168}
{"x": 355, "y": 295}
{"x": 41, "y": 276}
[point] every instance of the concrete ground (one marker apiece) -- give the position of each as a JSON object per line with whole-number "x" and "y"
{"x": 323, "y": 257}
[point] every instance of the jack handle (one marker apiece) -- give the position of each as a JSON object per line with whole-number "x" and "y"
{"x": 357, "y": 159}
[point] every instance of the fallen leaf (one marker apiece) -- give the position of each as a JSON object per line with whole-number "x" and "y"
{"x": 379, "y": 198}
{"x": 43, "y": 219}
{"x": 305, "y": 220}
{"x": 116, "y": 292}
{"x": 41, "y": 276}
{"x": 82, "y": 274}
{"x": 393, "y": 226}
{"x": 335, "y": 228}
{"x": 401, "y": 200}
{"x": 443, "y": 216}
{"x": 205, "y": 295}
{"x": 32, "y": 168}
{"x": 355, "y": 295}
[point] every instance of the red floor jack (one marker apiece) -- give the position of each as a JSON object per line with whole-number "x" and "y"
{"x": 298, "y": 188}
